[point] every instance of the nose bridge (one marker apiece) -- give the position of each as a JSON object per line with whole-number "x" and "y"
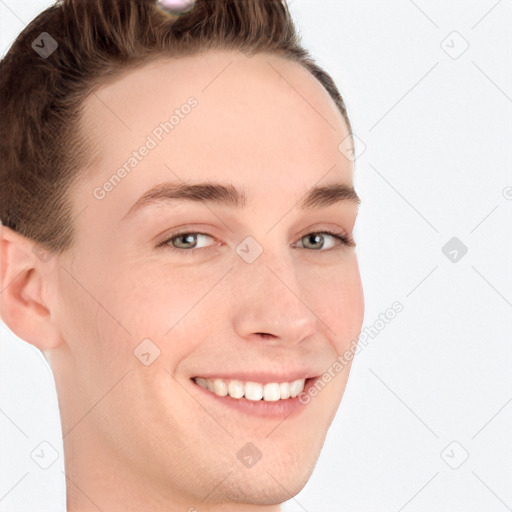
{"x": 271, "y": 300}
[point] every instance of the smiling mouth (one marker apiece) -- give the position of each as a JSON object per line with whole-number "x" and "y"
{"x": 254, "y": 391}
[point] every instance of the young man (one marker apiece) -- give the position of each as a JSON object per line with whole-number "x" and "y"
{"x": 177, "y": 208}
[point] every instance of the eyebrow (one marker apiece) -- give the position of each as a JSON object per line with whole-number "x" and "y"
{"x": 317, "y": 197}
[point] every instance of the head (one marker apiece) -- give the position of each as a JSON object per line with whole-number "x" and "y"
{"x": 176, "y": 211}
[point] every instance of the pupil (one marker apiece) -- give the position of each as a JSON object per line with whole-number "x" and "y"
{"x": 187, "y": 239}
{"x": 315, "y": 238}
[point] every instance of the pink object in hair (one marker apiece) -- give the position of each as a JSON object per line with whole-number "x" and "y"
{"x": 176, "y": 6}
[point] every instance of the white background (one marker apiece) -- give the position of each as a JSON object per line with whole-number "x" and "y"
{"x": 437, "y": 138}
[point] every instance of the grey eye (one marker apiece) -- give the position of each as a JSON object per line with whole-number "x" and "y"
{"x": 313, "y": 241}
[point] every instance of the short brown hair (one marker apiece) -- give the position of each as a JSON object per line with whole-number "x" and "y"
{"x": 42, "y": 148}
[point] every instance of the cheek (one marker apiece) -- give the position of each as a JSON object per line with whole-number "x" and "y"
{"x": 115, "y": 307}
{"x": 339, "y": 301}
{"x": 170, "y": 306}
{"x": 102, "y": 314}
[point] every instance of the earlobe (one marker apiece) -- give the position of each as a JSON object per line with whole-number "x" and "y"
{"x": 22, "y": 306}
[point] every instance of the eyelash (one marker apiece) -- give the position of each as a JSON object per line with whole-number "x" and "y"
{"x": 346, "y": 241}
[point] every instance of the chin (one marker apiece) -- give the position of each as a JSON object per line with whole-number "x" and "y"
{"x": 262, "y": 488}
{"x": 276, "y": 481}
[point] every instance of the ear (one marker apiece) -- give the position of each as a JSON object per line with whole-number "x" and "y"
{"x": 22, "y": 275}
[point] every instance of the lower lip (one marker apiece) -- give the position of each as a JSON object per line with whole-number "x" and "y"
{"x": 261, "y": 408}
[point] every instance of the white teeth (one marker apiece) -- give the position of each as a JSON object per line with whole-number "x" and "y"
{"x": 284, "y": 388}
{"x": 236, "y": 389}
{"x": 220, "y": 387}
{"x": 202, "y": 383}
{"x": 271, "y": 392}
{"x": 296, "y": 387}
{"x": 253, "y": 390}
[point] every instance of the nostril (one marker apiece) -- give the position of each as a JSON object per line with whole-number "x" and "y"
{"x": 266, "y": 335}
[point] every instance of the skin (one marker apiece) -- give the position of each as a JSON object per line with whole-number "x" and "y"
{"x": 141, "y": 437}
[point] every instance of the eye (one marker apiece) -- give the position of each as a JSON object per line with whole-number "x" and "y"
{"x": 189, "y": 242}
{"x": 184, "y": 242}
{"x": 316, "y": 240}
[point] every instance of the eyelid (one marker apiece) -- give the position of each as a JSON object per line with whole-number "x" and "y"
{"x": 173, "y": 235}
{"x": 341, "y": 235}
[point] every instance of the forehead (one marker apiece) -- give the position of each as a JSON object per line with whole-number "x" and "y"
{"x": 261, "y": 121}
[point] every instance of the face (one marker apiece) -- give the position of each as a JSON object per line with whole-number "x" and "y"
{"x": 242, "y": 283}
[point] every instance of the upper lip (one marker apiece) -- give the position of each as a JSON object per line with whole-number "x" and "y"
{"x": 260, "y": 376}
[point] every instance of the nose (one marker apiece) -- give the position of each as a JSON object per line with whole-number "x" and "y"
{"x": 270, "y": 303}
